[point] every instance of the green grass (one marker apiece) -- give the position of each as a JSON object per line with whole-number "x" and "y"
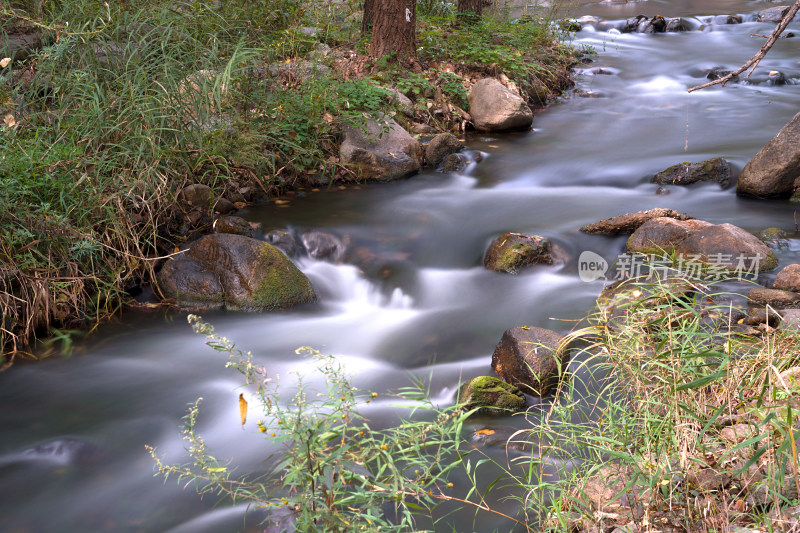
{"x": 130, "y": 101}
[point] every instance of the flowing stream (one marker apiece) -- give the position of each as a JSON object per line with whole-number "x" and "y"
{"x": 73, "y": 429}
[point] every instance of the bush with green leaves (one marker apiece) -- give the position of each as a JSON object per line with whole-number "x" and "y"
{"x": 336, "y": 472}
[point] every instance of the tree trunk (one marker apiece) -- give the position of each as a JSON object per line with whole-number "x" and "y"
{"x": 369, "y": 17}
{"x": 476, "y": 6}
{"x": 394, "y": 28}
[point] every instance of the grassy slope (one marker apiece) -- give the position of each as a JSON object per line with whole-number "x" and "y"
{"x": 133, "y": 100}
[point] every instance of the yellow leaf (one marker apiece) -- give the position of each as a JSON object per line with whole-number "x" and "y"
{"x": 771, "y": 72}
{"x": 4, "y": 62}
{"x": 242, "y": 408}
{"x": 484, "y": 432}
{"x": 281, "y": 202}
{"x": 9, "y": 120}
{"x": 176, "y": 250}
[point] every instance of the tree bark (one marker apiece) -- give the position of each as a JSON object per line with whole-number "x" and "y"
{"x": 368, "y": 18}
{"x": 476, "y": 6}
{"x": 394, "y": 29}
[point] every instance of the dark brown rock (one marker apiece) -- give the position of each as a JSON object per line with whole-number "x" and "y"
{"x": 775, "y": 169}
{"x": 630, "y": 222}
{"x": 761, "y": 316}
{"x": 774, "y": 297}
{"x": 196, "y": 195}
{"x": 788, "y": 279}
{"x": 513, "y": 251}
{"x": 234, "y": 272}
{"x": 708, "y": 479}
{"x": 440, "y": 147}
{"x": 237, "y": 226}
{"x": 717, "y": 169}
{"x": 721, "y": 245}
{"x": 533, "y": 359}
{"x": 223, "y": 206}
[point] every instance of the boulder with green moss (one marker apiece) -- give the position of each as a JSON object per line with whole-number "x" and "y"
{"x": 716, "y": 169}
{"x": 491, "y": 396}
{"x": 234, "y": 272}
{"x": 513, "y": 251}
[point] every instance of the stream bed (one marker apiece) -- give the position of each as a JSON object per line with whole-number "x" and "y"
{"x": 73, "y": 429}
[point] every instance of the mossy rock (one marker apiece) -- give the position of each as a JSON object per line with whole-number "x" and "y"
{"x": 513, "y": 251}
{"x": 491, "y": 396}
{"x": 716, "y": 169}
{"x": 234, "y": 272}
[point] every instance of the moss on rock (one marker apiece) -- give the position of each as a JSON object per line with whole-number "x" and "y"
{"x": 491, "y": 396}
{"x": 283, "y": 285}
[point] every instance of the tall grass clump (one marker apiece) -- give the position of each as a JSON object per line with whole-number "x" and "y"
{"x": 694, "y": 423}
{"x": 123, "y": 105}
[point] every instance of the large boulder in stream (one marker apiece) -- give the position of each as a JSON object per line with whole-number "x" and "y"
{"x": 716, "y": 169}
{"x": 380, "y": 150}
{"x": 491, "y": 396}
{"x": 533, "y": 359}
{"x": 495, "y": 107}
{"x": 513, "y": 251}
{"x": 723, "y": 246}
{"x": 772, "y": 14}
{"x": 234, "y": 272}
{"x": 775, "y": 169}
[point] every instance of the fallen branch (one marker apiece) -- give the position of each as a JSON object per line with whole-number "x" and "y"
{"x": 756, "y": 59}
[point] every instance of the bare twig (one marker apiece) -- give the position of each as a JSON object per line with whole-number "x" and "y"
{"x": 756, "y": 59}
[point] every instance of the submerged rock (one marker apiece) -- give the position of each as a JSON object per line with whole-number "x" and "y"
{"x": 234, "y": 272}
{"x": 533, "y": 359}
{"x": 491, "y": 396}
{"x": 716, "y": 169}
{"x": 323, "y": 246}
{"x": 630, "y": 222}
{"x": 380, "y": 150}
{"x": 722, "y": 245}
{"x": 513, "y": 251}
{"x": 494, "y": 107}
{"x": 283, "y": 241}
{"x": 720, "y": 72}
